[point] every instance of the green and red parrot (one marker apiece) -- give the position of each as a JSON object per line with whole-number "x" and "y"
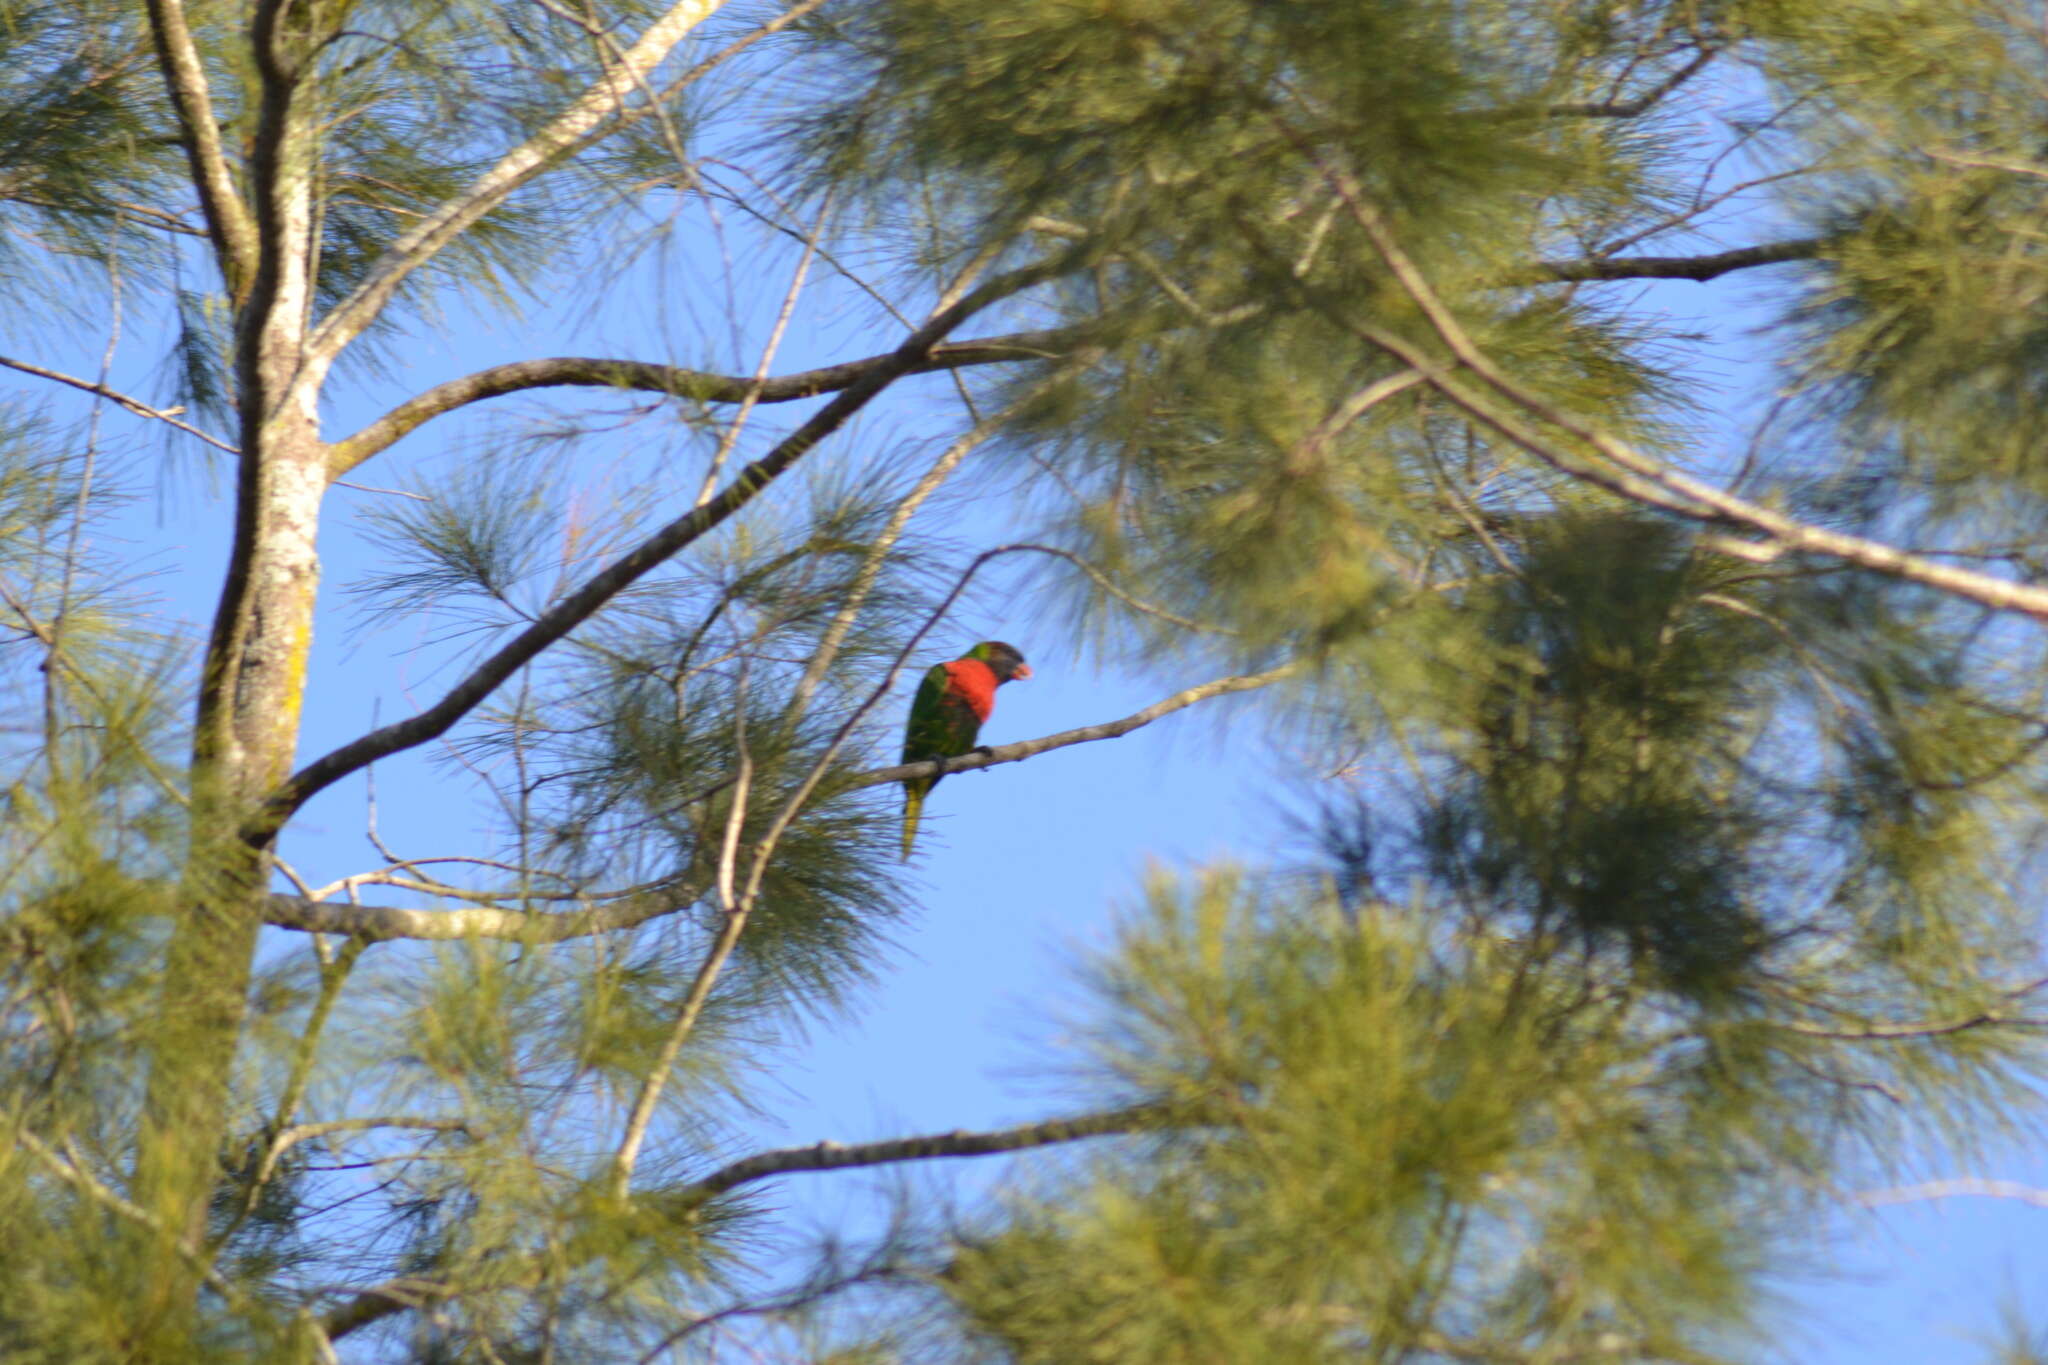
{"x": 952, "y": 702}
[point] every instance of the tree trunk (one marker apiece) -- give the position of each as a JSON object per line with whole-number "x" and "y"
{"x": 251, "y": 690}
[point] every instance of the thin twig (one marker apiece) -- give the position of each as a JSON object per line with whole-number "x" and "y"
{"x": 833, "y": 1156}
{"x": 134, "y": 405}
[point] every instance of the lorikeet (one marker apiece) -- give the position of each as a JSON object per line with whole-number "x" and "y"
{"x": 952, "y": 702}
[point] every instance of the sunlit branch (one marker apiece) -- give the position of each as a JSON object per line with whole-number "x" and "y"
{"x": 378, "y": 1302}
{"x": 1928, "y": 1028}
{"x": 380, "y": 922}
{"x": 134, "y": 405}
{"x": 228, "y": 222}
{"x": 1950, "y": 1189}
{"x": 573, "y": 127}
{"x": 1623, "y": 469}
{"x": 377, "y": 923}
{"x": 991, "y": 756}
{"x": 700, "y": 386}
{"x": 579, "y": 606}
{"x": 832, "y": 1156}
{"x": 736, "y": 910}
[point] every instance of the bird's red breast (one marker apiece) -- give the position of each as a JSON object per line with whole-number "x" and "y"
{"x": 975, "y": 683}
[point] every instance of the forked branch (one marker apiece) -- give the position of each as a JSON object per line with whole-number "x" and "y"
{"x": 580, "y": 606}
{"x": 575, "y": 126}
{"x": 380, "y": 922}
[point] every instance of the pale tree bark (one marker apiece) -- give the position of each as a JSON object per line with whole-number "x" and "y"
{"x": 254, "y": 671}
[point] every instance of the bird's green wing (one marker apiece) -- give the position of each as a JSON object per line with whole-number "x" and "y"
{"x": 941, "y": 725}
{"x": 927, "y": 733}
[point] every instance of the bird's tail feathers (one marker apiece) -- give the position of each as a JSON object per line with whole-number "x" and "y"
{"x": 913, "y": 806}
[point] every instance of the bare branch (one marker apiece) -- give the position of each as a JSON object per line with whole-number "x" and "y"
{"x": 378, "y": 923}
{"x": 704, "y": 386}
{"x": 381, "y": 1301}
{"x": 736, "y": 911}
{"x": 306, "y": 1132}
{"x": 695, "y": 385}
{"x": 134, "y": 405}
{"x": 579, "y": 606}
{"x": 1643, "y": 103}
{"x": 1949, "y": 1189}
{"x": 228, "y": 223}
{"x": 576, "y": 125}
{"x": 989, "y": 757}
{"x": 832, "y": 1156}
{"x": 1700, "y": 268}
{"x": 1935, "y": 1028}
{"x": 1628, "y": 472}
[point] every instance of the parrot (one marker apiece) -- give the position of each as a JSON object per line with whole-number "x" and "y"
{"x": 952, "y": 702}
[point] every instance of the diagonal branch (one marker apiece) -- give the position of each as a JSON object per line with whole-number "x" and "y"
{"x": 1643, "y": 103}
{"x": 1629, "y": 472}
{"x": 380, "y": 922}
{"x": 134, "y": 405}
{"x": 832, "y": 1156}
{"x": 989, "y": 757}
{"x": 228, "y": 223}
{"x": 579, "y": 606}
{"x": 1700, "y": 268}
{"x": 699, "y": 386}
{"x": 568, "y": 130}
{"x": 373, "y": 1305}
{"x": 74, "y": 1173}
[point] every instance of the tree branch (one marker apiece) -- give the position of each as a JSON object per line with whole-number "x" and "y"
{"x": 1700, "y": 268}
{"x": 1929, "y": 1028}
{"x": 378, "y": 1302}
{"x": 1643, "y": 103}
{"x": 831, "y": 1156}
{"x": 1628, "y": 472}
{"x": 579, "y": 606}
{"x": 378, "y": 923}
{"x": 306, "y": 1132}
{"x": 134, "y": 405}
{"x": 228, "y": 222}
{"x": 579, "y": 123}
{"x": 1949, "y": 1189}
{"x": 989, "y": 757}
{"x": 73, "y": 1173}
{"x": 696, "y": 385}
{"x": 708, "y": 387}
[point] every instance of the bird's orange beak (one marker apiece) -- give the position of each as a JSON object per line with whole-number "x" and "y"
{"x": 1023, "y": 672}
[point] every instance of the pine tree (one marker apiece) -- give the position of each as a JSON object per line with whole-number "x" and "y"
{"x": 1307, "y": 348}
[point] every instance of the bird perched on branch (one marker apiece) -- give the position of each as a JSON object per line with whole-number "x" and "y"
{"x": 952, "y": 702}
